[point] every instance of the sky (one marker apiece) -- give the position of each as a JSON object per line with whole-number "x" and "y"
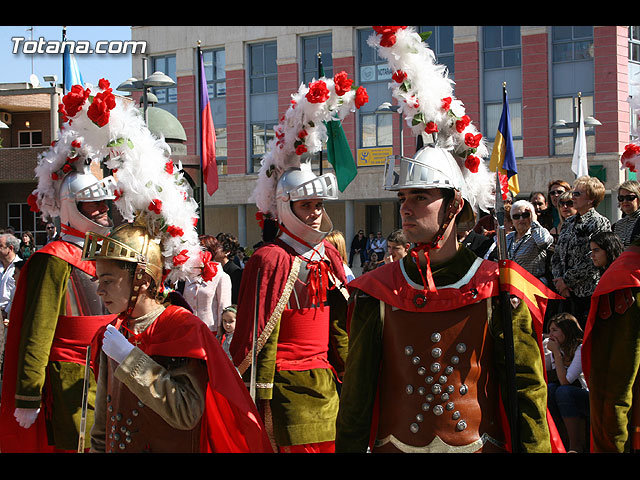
{"x": 18, "y": 67}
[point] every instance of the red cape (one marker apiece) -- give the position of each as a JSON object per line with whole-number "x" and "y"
{"x": 231, "y": 423}
{"x": 274, "y": 262}
{"x": 14, "y": 438}
{"x": 388, "y": 283}
{"x": 623, "y": 273}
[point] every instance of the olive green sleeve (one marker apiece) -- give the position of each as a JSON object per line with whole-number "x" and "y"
{"x": 266, "y": 368}
{"x": 360, "y": 383}
{"x": 47, "y": 278}
{"x": 615, "y": 360}
{"x": 338, "y": 338}
{"x": 530, "y": 381}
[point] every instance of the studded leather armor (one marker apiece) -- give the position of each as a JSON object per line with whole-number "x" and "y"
{"x": 437, "y": 390}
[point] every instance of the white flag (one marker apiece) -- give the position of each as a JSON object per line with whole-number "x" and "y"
{"x": 579, "y": 163}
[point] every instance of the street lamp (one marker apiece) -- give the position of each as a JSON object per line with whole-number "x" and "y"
{"x": 156, "y": 79}
{"x": 575, "y": 125}
{"x": 387, "y": 107}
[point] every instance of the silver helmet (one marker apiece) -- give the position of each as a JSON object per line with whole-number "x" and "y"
{"x": 431, "y": 167}
{"x": 300, "y": 183}
{"x": 83, "y": 186}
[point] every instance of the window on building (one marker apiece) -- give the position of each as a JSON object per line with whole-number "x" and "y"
{"x": 29, "y": 138}
{"x": 502, "y": 64}
{"x": 441, "y": 42}
{"x": 22, "y": 219}
{"x": 572, "y": 73}
{"x": 634, "y": 44}
{"x": 375, "y": 74}
{"x": 263, "y": 99}
{"x": 214, "y": 68}
{"x": 310, "y": 48}
{"x": 167, "y": 96}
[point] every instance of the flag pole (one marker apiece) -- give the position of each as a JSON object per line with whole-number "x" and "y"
{"x": 198, "y": 101}
{"x": 576, "y": 132}
{"x": 320, "y": 75}
{"x": 64, "y": 38}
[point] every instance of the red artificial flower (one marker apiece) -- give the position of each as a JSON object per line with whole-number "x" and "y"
{"x": 318, "y": 92}
{"x": 72, "y": 159}
{"x": 388, "y": 38}
{"x": 472, "y": 140}
{"x": 446, "y": 103}
{"x": 63, "y": 112}
{"x": 181, "y": 258}
{"x": 66, "y": 168}
{"x": 628, "y": 157}
{"x": 54, "y": 176}
{"x": 117, "y": 193}
{"x": 32, "y": 200}
{"x": 431, "y": 127}
{"x": 300, "y": 149}
{"x": 209, "y": 268}
{"x": 399, "y": 76}
{"x": 342, "y": 82}
{"x": 462, "y": 123}
{"x": 168, "y": 167}
{"x": 155, "y": 206}
{"x": 99, "y": 111}
{"x": 260, "y": 219}
{"x": 195, "y": 221}
{"x": 361, "y": 97}
{"x": 74, "y": 100}
{"x": 104, "y": 84}
{"x": 472, "y": 162}
{"x": 76, "y": 144}
{"x": 175, "y": 231}
{"x": 302, "y": 133}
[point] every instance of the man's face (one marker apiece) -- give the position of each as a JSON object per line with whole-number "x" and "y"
{"x": 397, "y": 250}
{"x": 51, "y": 230}
{"x": 539, "y": 202}
{"x": 98, "y": 212}
{"x": 422, "y": 212}
{"x": 309, "y": 211}
{"x": 5, "y": 251}
{"x": 114, "y": 285}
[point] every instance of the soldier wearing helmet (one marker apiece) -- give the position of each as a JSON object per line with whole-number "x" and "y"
{"x": 296, "y": 282}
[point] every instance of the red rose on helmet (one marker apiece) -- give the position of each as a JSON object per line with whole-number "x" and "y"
{"x": 155, "y": 206}
{"x": 181, "y": 258}
{"x": 32, "y": 200}
{"x": 361, "y": 97}
{"x": 318, "y": 92}
{"x": 462, "y": 123}
{"x": 431, "y": 127}
{"x": 343, "y": 83}
{"x": 175, "y": 231}
{"x": 472, "y": 162}
{"x": 99, "y": 111}
{"x": 399, "y": 76}
{"x": 472, "y": 140}
{"x": 74, "y": 100}
{"x": 300, "y": 149}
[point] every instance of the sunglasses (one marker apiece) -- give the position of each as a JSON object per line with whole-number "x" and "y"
{"x": 627, "y": 198}
{"x": 556, "y": 192}
{"x": 518, "y": 216}
{"x": 566, "y": 203}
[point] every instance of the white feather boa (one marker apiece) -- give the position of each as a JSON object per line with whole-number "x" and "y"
{"x": 302, "y": 131}
{"x": 148, "y": 183}
{"x": 424, "y": 93}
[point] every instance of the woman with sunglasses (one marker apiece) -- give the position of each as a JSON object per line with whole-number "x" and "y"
{"x": 527, "y": 245}
{"x": 555, "y": 190}
{"x": 629, "y": 203}
{"x": 566, "y": 209}
{"x": 574, "y": 275}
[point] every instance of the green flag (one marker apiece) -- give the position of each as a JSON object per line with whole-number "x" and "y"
{"x": 339, "y": 154}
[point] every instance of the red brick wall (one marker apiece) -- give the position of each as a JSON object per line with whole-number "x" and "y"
{"x": 236, "y": 122}
{"x": 611, "y": 88}
{"x": 467, "y": 78}
{"x": 187, "y": 111}
{"x": 535, "y": 91}
{"x": 347, "y": 64}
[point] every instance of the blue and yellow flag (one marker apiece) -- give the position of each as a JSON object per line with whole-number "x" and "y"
{"x": 503, "y": 156}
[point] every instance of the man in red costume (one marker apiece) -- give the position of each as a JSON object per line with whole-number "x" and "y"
{"x": 301, "y": 340}
{"x": 426, "y": 366}
{"x": 55, "y": 314}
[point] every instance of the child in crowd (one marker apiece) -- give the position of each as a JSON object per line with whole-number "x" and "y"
{"x": 228, "y": 325}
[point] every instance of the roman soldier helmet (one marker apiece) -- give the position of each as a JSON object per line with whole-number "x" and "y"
{"x": 285, "y": 174}
{"x": 453, "y": 151}
{"x": 300, "y": 183}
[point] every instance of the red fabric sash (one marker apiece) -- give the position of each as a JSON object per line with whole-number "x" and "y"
{"x": 72, "y": 336}
{"x": 303, "y": 340}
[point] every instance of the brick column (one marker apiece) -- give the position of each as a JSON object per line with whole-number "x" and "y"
{"x": 288, "y": 84}
{"x": 347, "y": 64}
{"x": 535, "y": 93}
{"x": 467, "y": 78}
{"x": 611, "y": 50}
{"x": 188, "y": 110}
{"x": 236, "y": 123}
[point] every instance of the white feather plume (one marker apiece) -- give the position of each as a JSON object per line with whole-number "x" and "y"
{"x": 425, "y": 97}
{"x": 148, "y": 183}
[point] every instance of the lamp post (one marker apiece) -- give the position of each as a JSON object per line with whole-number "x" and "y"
{"x": 156, "y": 79}
{"x": 388, "y": 107}
{"x": 575, "y": 124}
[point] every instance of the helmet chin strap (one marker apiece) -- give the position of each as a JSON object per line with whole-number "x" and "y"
{"x": 138, "y": 281}
{"x": 427, "y": 277}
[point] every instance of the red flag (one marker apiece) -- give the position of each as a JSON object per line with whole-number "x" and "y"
{"x": 207, "y": 136}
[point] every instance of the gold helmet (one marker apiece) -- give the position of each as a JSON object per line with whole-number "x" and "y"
{"x": 130, "y": 242}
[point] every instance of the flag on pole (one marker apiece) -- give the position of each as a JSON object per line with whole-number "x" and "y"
{"x": 207, "y": 135}
{"x": 338, "y": 150}
{"x": 70, "y": 71}
{"x": 579, "y": 162}
{"x": 503, "y": 157}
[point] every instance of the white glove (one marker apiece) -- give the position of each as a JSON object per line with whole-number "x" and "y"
{"x": 115, "y": 345}
{"x": 26, "y": 416}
